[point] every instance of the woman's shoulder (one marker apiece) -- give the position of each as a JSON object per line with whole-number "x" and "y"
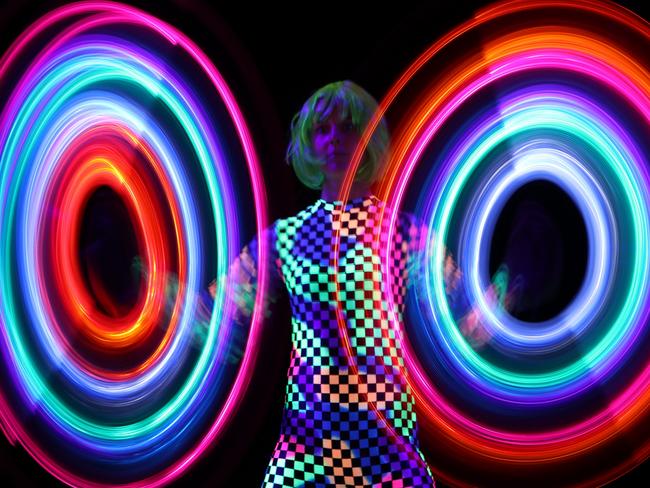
{"x": 400, "y": 218}
{"x": 294, "y": 221}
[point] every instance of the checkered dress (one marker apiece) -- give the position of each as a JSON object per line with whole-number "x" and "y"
{"x": 345, "y": 425}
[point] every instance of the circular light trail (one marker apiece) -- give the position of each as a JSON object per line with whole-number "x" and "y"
{"x": 117, "y": 102}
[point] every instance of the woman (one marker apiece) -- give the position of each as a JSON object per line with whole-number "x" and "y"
{"x": 349, "y": 416}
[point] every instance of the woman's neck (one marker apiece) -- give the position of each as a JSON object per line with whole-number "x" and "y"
{"x": 331, "y": 190}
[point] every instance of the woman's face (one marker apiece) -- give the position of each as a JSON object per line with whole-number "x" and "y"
{"x": 334, "y": 141}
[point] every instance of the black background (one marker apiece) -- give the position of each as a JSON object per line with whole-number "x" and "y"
{"x": 274, "y": 56}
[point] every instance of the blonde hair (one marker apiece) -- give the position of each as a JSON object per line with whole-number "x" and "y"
{"x": 352, "y": 101}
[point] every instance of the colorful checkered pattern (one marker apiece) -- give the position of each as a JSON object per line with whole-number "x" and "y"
{"x": 342, "y": 425}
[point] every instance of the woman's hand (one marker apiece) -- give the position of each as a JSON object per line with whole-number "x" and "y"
{"x": 497, "y": 295}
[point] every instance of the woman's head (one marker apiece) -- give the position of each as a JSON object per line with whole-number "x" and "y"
{"x": 344, "y": 108}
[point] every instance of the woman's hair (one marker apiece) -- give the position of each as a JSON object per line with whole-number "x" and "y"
{"x": 352, "y": 101}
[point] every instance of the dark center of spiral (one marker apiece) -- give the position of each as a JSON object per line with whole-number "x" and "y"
{"x": 541, "y": 236}
{"x": 108, "y": 253}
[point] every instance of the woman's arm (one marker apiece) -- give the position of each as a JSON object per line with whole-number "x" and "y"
{"x": 242, "y": 284}
{"x": 468, "y": 316}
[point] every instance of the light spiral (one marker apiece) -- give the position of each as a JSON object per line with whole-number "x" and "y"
{"x": 119, "y": 114}
{"x": 552, "y": 94}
